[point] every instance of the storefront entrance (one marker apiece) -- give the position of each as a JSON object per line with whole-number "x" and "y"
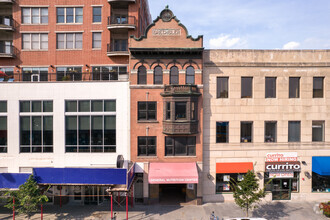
{"x": 281, "y": 189}
{"x": 172, "y": 194}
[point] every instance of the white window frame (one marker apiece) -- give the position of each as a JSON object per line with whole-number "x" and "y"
{"x": 74, "y": 41}
{"x": 30, "y": 8}
{"x": 74, "y": 15}
{"x": 94, "y": 40}
{"x": 30, "y": 41}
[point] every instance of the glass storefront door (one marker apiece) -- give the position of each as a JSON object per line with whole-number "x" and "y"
{"x": 281, "y": 189}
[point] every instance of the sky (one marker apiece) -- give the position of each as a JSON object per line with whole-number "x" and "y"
{"x": 253, "y": 24}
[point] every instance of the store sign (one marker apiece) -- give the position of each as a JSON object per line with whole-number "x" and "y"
{"x": 282, "y": 166}
{"x": 280, "y": 174}
{"x": 166, "y": 32}
{"x": 281, "y": 157}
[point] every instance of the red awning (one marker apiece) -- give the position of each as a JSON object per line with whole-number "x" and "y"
{"x": 169, "y": 173}
{"x": 234, "y": 167}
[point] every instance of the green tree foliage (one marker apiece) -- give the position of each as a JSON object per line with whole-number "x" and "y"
{"x": 247, "y": 193}
{"x": 28, "y": 197}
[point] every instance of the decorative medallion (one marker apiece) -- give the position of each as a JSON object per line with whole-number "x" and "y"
{"x": 166, "y": 15}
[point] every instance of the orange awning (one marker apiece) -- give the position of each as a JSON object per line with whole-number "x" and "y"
{"x": 242, "y": 167}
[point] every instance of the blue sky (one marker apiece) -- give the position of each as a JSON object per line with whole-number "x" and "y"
{"x": 253, "y": 24}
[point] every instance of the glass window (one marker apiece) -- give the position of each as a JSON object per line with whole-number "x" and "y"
{"x": 147, "y": 146}
{"x": 318, "y": 87}
{"x": 35, "y": 41}
{"x": 97, "y": 14}
{"x": 294, "y": 87}
{"x": 174, "y": 75}
{"x": 180, "y": 110}
{"x": 36, "y": 131}
{"x": 222, "y": 132}
{"x": 69, "y": 15}
{"x": 79, "y": 15}
{"x": 222, "y": 87}
{"x": 60, "y": 14}
{"x": 34, "y": 15}
{"x": 168, "y": 110}
{"x": 147, "y": 110}
{"x": 142, "y": 75}
{"x": 246, "y": 87}
{"x": 246, "y": 131}
{"x": 96, "y": 40}
{"x": 320, "y": 183}
{"x": 270, "y": 131}
{"x": 180, "y": 146}
{"x": 294, "y": 131}
{"x": 3, "y": 134}
{"x": 318, "y": 131}
{"x": 3, "y": 106}
{"x": 270, "y": 87}
{"x": 93, "y": 132}
{"x": 68, "y": 73}
{"x": 190, "y": 75}
{"x": 158, "y": 75}
{"x": 224, "y": 181}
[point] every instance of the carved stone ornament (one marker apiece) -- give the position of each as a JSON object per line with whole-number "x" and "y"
{"x": 166, "y": 15}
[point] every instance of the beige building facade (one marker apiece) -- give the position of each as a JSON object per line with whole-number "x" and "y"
{"x": 262, "y": 109}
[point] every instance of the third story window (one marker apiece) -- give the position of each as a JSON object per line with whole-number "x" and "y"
{"x": 270, "y": 87}
{"x": 190, "y": 75}
{"x": 147, "y": 110}
{"x": 158, "y": 75}
{"x": 246, "y": 131}
{"x": 318, "y": 87}
{"x": 222, "y": 87}
{"x": 222, "y": 132}
{"x": 294, "y": 87}
{"x": 34, "y": 15}
{"x": 246, "y": 87}
{"x": 142, "y": 75}
{"x": 174, "y": 75}
{"x": 180, "y": 110}
{"x": 97, "y": 14}
{"x": 69, "y": 15}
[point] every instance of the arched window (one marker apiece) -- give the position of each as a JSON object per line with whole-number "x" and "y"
{"x": 190, "y": 75}
{"x": 174, "y": 75}
{"x": 142, "y": 75}
{"x": 158, "y": 75}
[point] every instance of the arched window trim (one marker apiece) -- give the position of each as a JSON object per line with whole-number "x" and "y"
{"x": 142, "y": 75}
{"x": 190, "y": 76}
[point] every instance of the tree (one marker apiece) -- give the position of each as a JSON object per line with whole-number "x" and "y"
{"x": 28, "y": 197}
{"x": 246, "y": 192}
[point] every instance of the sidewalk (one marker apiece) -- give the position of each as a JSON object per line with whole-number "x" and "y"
{"x": 270, "y": 211}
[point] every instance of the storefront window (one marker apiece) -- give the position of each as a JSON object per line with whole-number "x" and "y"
{"x": 320, "y": 183}
{"x": 223, "y": 181}
{"x": 293, "y": 181}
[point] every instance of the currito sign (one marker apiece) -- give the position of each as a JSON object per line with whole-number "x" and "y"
{"x": 282, "y": 157}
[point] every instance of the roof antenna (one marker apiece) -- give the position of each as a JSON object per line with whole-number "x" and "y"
{"x": 166, "y": 7}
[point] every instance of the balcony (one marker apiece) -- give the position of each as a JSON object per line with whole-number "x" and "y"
{"x": 180, "y": 128}
{"x": 7, "y": 23}
{"x": 118, "y": 48}
{"x": 7, "y": 50}
{"x": 180, "y": 90}
{"x": 121, "y": 22}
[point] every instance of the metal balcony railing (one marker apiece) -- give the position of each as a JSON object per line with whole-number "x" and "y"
{"x": 7, "y": 49}
{"x": 7, "y": 22}
{"x": 60, "y": 76}
{"x": 121, "y": 21}
{"x": 119, "y": 48}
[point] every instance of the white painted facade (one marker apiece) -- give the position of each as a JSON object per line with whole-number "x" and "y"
{"x": 58, "y": 92}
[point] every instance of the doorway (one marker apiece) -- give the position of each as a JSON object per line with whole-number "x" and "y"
{"x": 172, "y": 194}
{"x": 281, "y": 189}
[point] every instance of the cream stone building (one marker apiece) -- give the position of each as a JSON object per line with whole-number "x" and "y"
{"x": 267, "y": 110}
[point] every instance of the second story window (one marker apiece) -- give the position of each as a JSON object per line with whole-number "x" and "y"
{"x": 180, "y": 146}
{"x": 158, "y": 75}
{"x": 97, "y": 42}
{"x": 147, "y": 110}
{"x": 246, "y": 131}
{"x": 190, "y": 75}
{"x": 3, "y": 127}
{"x": 294, "y": 87}
{"x": 34, "y": 15}
{"x": 270, "y": 87}
{"x": 69, "y": 41}
{"x": 97, "y": 14}
{"x": 180, "y": 110}
{"x": 174, "y": 75}
{"x": 318, "y": 87}
{"x": 222, "y": 132}
{"x": 69, "y": 15}
{"x": 246, "y": 87}
{"x": 270, "y": 131}
{"x": 142, "y": 75}
{"x": 35, "y": 41}
{"x": 294, "y": 131}
{"x": 147, "y": 146}
{"x": 222, "y": 87}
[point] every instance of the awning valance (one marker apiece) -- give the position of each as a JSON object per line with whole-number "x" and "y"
{"x": 12, "y": 180}
{"x": 321, "y": 165}
{"x": 238, "y": 167}
{"x": 80, "y": 176}
{"x": 173, "y": 173}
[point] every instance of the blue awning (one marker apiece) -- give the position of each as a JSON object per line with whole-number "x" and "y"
{"x": 12, "y": 180}
{"x": 321, "y": 165}
{"x": 80, "y": 176}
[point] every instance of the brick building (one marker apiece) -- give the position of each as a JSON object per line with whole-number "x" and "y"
{"x": 167, "y": 111}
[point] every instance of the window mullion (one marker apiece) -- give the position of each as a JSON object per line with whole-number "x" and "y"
{"x": 42, "y": 131}
{"x": 74, "y": 15}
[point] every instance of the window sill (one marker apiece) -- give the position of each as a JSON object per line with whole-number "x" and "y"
{"x": 181, "y": 156}
{"x": 147, "y": 157}
{"x": 69, "y": 49}
{"x": 97, "y": 23}
{"x": 147, "y": 121}
{"x": 96, "y": 48}
{"x": 33, "y": 24}
{"x": 25, "y": 50}
{"x": 69, "y": 23}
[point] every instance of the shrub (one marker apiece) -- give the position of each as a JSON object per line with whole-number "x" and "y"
{"x": 325, "y": 207}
